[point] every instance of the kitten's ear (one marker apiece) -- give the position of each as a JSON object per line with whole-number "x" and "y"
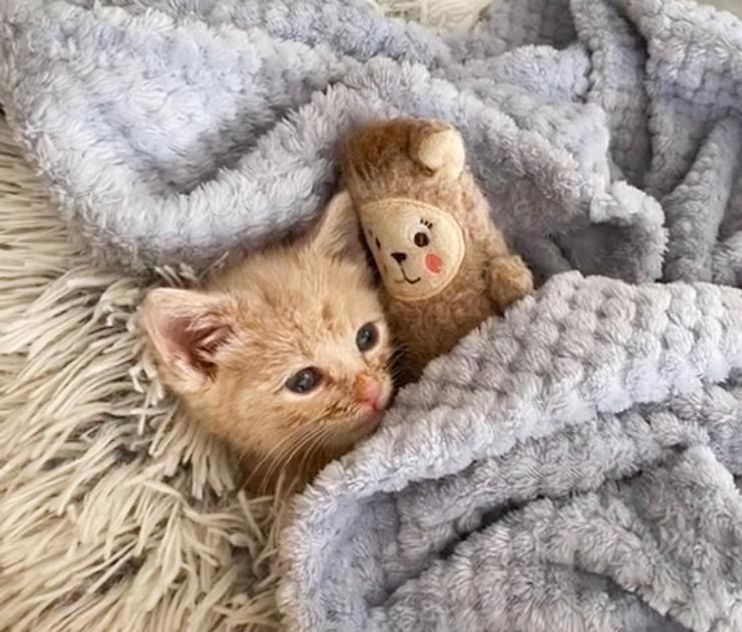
{"x": 337, "y": 234}
{"x": 187, "y": 328}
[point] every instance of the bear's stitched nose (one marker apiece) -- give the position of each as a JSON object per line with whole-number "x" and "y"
{"x": 399, "y": 257}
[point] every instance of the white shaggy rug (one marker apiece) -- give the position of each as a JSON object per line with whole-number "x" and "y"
{"x": 116, "y": 513}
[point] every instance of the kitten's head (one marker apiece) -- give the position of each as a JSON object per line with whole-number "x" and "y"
{"x": 285, "y": 353}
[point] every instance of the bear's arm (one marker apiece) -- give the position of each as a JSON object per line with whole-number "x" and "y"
{"x": 508, "y": 277}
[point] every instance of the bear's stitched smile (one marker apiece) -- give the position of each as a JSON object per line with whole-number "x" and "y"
{"x": 410, "y": 281}
{"x": 406, "y": 278}
{"x": 399, "y": 257}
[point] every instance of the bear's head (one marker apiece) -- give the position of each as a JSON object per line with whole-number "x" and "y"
{"x": 406, "y": 179}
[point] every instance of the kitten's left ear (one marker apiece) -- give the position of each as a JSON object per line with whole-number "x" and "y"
{"x": 187, "y": 328}
{"x": 337, "y": 233}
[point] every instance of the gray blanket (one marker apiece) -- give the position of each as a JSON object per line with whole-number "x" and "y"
{"x": 570, "y": 467}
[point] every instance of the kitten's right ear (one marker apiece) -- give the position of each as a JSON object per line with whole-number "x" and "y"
{"x": 187, "y": 328}
{"x": 337, "y": 234}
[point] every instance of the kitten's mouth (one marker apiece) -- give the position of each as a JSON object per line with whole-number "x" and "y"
{"x": 370, "y": 414}
{"x": 369, "y": 423}
{"x": 373, "y": 414}
{"x": 372, "y": 418}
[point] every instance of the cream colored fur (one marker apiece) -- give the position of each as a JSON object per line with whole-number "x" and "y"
{"x": 230, "y": 349}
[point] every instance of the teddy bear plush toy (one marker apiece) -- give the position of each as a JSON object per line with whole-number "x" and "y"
{"x": 444, "y": 266}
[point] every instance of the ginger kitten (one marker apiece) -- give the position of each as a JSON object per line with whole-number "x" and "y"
{"x": 285, "y": 355}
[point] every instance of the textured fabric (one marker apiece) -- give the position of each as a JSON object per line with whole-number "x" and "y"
{"x": 169, "y": 131}
{"x": 573, "y": 463}
{"x": 170, "y": 135}
{"x": 571, "y": 466}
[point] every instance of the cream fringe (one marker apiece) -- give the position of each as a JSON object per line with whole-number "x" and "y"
{"x": 454, "y": 15}
{"x": 116, "y": 513}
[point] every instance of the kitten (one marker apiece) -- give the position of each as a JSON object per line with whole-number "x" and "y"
{"x": 285, "y": 355}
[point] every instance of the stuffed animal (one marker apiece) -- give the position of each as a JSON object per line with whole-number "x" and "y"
{"x": 444, "y": 266}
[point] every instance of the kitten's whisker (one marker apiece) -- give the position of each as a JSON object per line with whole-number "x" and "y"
{"x": 318, "y": 441}
{"x": 313, "y": 440}
{"x": 263, "y": 460}
{"x": 303, "y": 465}
{"x": 400, "y": 345}
{"x": 321, "y": 436}
{"x": 296, "y": 437}
{"x": 279, "y": 464}
{"x": 274, "y": 453}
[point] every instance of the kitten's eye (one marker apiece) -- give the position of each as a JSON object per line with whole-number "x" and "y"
{"x": 421, "y": 239}
{"x": 304, "y": 381}
{"x": 367, "y": 337}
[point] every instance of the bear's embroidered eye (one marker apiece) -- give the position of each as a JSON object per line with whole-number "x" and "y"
{"x": 421, "y": 239}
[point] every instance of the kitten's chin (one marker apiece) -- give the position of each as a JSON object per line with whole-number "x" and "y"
{"x": 370, "y": 421}
{"x": 358, "y": 428}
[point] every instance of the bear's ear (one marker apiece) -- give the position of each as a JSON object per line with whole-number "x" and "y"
{"x": 441, "y": 149}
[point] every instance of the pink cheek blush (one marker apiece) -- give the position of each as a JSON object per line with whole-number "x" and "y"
{"x": 433, "y": 262}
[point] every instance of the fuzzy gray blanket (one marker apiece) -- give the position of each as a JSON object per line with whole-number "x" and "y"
{"x": 570, "y": 467}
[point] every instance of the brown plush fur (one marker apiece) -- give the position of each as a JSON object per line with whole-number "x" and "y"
{"x": 423, "y": 161}
{"x": 229, "y": 350}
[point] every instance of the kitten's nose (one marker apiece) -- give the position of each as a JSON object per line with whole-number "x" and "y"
{"x": 367, "y": 390}
{"x": 399, "y": 257}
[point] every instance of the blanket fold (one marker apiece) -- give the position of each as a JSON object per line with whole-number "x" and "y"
{"x": 571, "y": 487}
{"x": 571, "y": 466}
{"x": 215, "y": 134}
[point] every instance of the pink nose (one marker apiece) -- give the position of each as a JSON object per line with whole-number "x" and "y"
{"x": 366, "y": 390}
